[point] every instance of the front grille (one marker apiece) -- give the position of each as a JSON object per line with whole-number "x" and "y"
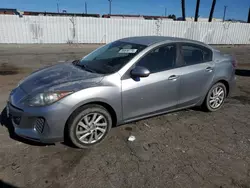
{"x": 39, "y": 124}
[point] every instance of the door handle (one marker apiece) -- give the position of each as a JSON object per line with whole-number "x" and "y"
{"x": 209, "y": 69}
{"x": 173, "y": 77}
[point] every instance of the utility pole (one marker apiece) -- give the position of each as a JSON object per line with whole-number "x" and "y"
{"x": 225, "y": 10}
{"x": 197, "y": 11}
{"x": 86, "y": 8}
{"x": 57, "y": 7}
{"x": 110, "y": 6}
{"x": 165, "y": 12}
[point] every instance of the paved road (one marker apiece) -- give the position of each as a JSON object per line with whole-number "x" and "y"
{"x": 188, "y": 148}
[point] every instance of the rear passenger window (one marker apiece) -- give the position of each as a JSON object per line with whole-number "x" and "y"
{"x": 194, "y": 54}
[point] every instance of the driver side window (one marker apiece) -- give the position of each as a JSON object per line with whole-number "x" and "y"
{"x": 159, "y": 59}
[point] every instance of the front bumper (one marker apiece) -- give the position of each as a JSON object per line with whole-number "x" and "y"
{"x": 44, "y": 124}
{"x": 232, "y": 86}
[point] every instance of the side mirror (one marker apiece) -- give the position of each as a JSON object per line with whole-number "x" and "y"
{"x": 140, "y": 72}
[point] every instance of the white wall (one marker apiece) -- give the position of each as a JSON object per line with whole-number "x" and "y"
{"x": 51, "y": 29}
{"x": 191, "y": 19}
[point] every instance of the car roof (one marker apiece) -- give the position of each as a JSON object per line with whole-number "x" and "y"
{"x": 150, "y": 40}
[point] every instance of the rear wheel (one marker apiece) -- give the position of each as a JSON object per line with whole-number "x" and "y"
{"x": 215, "y": 97}
{"x": 89, "y": 125}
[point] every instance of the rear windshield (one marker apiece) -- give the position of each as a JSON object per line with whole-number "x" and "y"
{"x": 111, "y": 57}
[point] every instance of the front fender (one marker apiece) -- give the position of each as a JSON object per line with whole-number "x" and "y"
{"x": 110, "y": 95}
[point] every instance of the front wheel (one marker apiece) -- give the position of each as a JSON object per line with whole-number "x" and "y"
{"x": 215, "y": 97}
{"x": 89, "y": 125}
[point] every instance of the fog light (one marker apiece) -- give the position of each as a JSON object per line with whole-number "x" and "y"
{"x": 16, "y": 119}
{"x": 39, "y": 124}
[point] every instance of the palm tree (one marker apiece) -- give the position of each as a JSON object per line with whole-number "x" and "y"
{"x": 183, "y": 10}
{"x": 212, "y": 11}
{"x": 248, "y": 20}
{"x": 197, "y": 10}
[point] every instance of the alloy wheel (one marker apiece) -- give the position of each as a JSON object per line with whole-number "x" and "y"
{"x": 216, "y": 97}
{"x": 91, "y": 128}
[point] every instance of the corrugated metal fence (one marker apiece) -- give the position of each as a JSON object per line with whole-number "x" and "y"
{"x": 51, "y": 29}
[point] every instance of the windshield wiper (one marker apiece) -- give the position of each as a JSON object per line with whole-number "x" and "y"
{"x": 77, "y": 63}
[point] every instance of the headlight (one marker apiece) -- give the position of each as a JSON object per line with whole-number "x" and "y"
{"x": 43, "y": 99}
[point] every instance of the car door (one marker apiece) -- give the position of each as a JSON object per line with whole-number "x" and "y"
{"x": 157, "y": 92}
{"x": 196, "y": 74}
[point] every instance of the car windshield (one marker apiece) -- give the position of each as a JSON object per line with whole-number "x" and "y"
{"x": 111, "y": 57}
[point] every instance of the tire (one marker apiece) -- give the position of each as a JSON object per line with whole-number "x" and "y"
{"x": 82, "y": 123}
{"x": 210, "y": 106}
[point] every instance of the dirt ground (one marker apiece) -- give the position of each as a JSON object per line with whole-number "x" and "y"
{"x": 188, "y": 148}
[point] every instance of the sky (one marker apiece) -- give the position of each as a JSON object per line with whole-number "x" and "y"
{"x": 236, "y": 9}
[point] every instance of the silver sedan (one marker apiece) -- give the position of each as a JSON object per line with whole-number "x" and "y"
{"x": 123, "y": 81}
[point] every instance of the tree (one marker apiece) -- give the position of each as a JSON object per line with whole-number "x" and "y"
{"x": 212, "y": 11}
{"x": 248, "y": 20}
{"x": 183, "y": 10}
{"x": 197, "y": 10}
{"x": 172, "y": 16}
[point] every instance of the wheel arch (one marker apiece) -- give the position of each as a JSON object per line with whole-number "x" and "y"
{"x": 223, "y": 81}
{"x": 108, "y": 107}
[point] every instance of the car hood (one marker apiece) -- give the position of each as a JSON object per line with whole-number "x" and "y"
{"x": 65, "y": 76}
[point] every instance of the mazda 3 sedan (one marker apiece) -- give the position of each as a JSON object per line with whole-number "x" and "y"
{"x": 123, "y": 81}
